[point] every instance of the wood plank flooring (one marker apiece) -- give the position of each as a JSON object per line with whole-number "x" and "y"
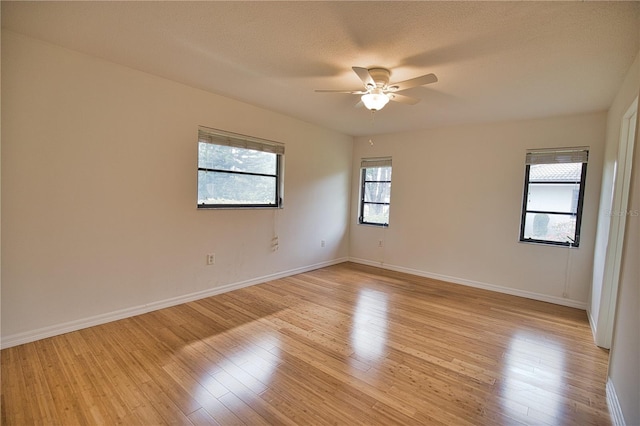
{"x": 347, "y": 345}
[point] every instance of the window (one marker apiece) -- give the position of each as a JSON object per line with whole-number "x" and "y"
{"x": 553, "y": 196}
{"x": 375, "y": 191}
{"x": 236, "y": 171}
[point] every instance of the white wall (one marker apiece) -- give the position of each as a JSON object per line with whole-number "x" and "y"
{"x": 456, "y": 200}
{"x": 624, "y": 358}
{"x": 627, "y": 93}
{"x": 99, "y": 193}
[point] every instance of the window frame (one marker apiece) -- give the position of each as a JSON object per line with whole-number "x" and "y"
{"x": 235, "y": 140}
{"x": 372, "y": 163}
{"x": 580, "y": 202}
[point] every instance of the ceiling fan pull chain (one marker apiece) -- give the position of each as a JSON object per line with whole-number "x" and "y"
{"x": 373, "y": 123}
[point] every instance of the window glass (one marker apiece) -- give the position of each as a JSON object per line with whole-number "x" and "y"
{"x": 236, "y": 159}
{"x": 377, "y": 192}
{"x": 550, "y": 227}
{"x": 230, "y": 189}
{"x": 375, "y": 214}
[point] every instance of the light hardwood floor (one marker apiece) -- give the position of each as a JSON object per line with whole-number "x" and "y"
{"x": 347, "y": 345}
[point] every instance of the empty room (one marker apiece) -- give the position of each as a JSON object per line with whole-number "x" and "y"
{"x": 320, "y": 213}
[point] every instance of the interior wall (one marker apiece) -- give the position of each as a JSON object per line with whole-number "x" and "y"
{"x": 99, "y": 191}
{"x": 627, "y": 93}
{"x": 624, "y": 358}
{"x": 456, "y": 199}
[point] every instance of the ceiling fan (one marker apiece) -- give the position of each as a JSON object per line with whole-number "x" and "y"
{"x": 377, "y": 90}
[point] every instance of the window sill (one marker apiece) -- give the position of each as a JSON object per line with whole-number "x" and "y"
{"x": 549, "y": 244}
{"x": 377, "y": 225}
{"x": 205, "y": 207}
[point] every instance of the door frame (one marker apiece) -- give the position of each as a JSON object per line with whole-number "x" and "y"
{"x": 618, "y": 215}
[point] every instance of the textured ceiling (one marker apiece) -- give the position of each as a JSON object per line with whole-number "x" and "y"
{"x": 494, "y": 60}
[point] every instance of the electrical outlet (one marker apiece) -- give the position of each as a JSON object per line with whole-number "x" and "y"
{"x": 211, "y": 259}
{"x": 321, "y": 243}
{"x": 380, "y": 243}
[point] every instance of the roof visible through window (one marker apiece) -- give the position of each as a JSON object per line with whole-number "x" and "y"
{"x": 563, "y": 172}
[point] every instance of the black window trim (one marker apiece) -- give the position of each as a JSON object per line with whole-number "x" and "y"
{"x": 363, "y": 183}
{"x": 578, "y": 214}
{"x": 224, "y": 138}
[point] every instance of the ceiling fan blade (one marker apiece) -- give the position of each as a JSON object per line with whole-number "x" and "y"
{"x": 364, "y": 75}
{"x": 403, "y": 99}
{"x": 353, "y": 92}
{"x": 414, "y": 82}
{"x": 359, "y": 105}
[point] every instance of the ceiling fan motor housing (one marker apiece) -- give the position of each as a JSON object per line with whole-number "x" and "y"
{"x": 380, "y": 76}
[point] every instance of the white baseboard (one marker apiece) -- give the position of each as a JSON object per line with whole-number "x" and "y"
{"x": 66, "y": 327}
{"x": 614, "y": 405}
{"x": 500, "y": 289}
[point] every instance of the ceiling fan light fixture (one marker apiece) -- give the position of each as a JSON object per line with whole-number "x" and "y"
{"x": 375, "y": 100}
